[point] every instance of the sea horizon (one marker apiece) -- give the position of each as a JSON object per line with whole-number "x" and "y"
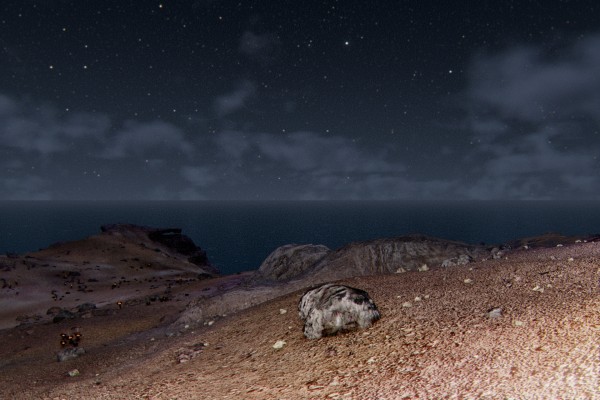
{"x": 239, "y": 235}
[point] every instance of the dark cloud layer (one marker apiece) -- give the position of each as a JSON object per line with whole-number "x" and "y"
{"x": 535, "y": 123}
{"x": 528, "y": 128}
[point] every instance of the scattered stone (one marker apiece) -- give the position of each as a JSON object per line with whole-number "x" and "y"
{"x": 73, "y": 372}
{"x": 538, "y": 288}
{"x": 570, "y": 259}
{"x": 62, "y": 315}
{"x": 86, "y": 307}
{"x": 400, "y": 270}
{"x": 462, "y": 259}
{"x": 518, "y": 323}
{"x": 495, "y": 313}
{"x": 282, "y": 311}
{"x": 279, "y": 344}
{"x": 423, "y": 268}
{"x": 468, "y": 281}
{"x": 407, "y": 304}
{"x": 330, "y": 308}
{"x": 53, "y": 310}
{"x": 69, "y": 353}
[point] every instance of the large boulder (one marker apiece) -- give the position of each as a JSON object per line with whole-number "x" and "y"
{"x": 330, "y": 309}
{"x": 291, "y": 260}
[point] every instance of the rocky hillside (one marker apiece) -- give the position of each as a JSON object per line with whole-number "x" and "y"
{"x": 125, "y": 263}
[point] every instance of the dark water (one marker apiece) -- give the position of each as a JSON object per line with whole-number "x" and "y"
{"x": 239, "y": 236}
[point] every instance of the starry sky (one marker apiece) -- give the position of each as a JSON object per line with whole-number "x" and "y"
{"x": 299, "y": 100}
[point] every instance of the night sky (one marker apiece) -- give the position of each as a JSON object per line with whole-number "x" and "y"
{"x": 294, "y": 100}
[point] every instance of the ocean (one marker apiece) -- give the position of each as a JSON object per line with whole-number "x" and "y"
{"x": 238, "y": 236}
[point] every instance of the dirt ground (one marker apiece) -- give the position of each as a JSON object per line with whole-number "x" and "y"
{"x": 436, "y": 339}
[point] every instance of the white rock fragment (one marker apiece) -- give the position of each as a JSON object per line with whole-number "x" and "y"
{"x": 400, "y": 270}
{"x": 538, "y": 288}
{"x": 518, "y": 323}
{"x": 418, "y": 298}
{"x": 279, "y": 344}
{"x": 570, "y": 259}
{"x": 282, "y": 311}
{"x": 578, "y": 241}
{"x": 423, "y": 268}
{"x": 371, "y": 360}
{"x": 468, "y": 281}
{"x": 73, "y": 372}
{"x": 495, "y": 313}
{"x": 559, "y": 245}
{"x": 407, "y": 304}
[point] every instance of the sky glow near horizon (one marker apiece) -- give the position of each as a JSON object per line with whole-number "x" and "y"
{"x": 312, "y": 100}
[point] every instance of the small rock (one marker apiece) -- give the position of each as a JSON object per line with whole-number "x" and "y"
{"x": 495, "y": 313}
{"x": 400, "y": 270}
{"x": 371, "y": 360}
{"x": 417, "y": 298}
{"x": 69, "y": 353}
{"x": 518, "y": 323}
{"x": 423, "y": 268}
{"x": 468, "y": 281}
{"x": 537, "y": 288}
{"x": 407, "y": 304}
{"x": 559, "y": 245}
{"x": 570, "y": 259}
{"x": 73, "y": 372}
{"x": 279, "y": 344}
{"x": 282, "y": 311}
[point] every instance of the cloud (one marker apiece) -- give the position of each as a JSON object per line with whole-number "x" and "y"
{"x": 259, "y": 47}
{"x": 298, "y": 165}
{"x": 146, "y": 139}
{"x": 534, "y": 123}
{"x": 43, "y": 130}
{"x": 233, "y": 101}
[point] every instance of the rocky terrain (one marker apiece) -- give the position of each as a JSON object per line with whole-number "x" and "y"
{"x": 157, "y": 322}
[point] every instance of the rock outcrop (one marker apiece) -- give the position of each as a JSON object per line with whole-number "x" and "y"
{"x": 290, "y": 260}
{"x": 168, "y": 240}
{"x": 380, "y": 256}
{"x": 293, "y": 267}
{"x": 391, "y": 255}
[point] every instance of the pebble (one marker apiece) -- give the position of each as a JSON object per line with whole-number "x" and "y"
{"x": 279, "y": 344}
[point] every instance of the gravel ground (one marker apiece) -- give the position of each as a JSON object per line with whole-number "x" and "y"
{"x": 436, "y": 339}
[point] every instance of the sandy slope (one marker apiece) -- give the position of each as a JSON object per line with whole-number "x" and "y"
{"x": 545, "y": 344}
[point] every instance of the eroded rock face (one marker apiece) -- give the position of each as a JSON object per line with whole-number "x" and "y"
{"x": 290, "y": 260}
{"x": 386, "y": 256}
{"x": 330, "y": 308}
{"x": 169, "y": 239}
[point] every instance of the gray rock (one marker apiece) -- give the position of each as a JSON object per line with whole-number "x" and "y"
{"x": 69, "y": 353}
{"x": 62, "y": 315}
{"x": 330, "y": 308}
{"x": 291, "y": 260}
{"x": 82, "y": 308}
